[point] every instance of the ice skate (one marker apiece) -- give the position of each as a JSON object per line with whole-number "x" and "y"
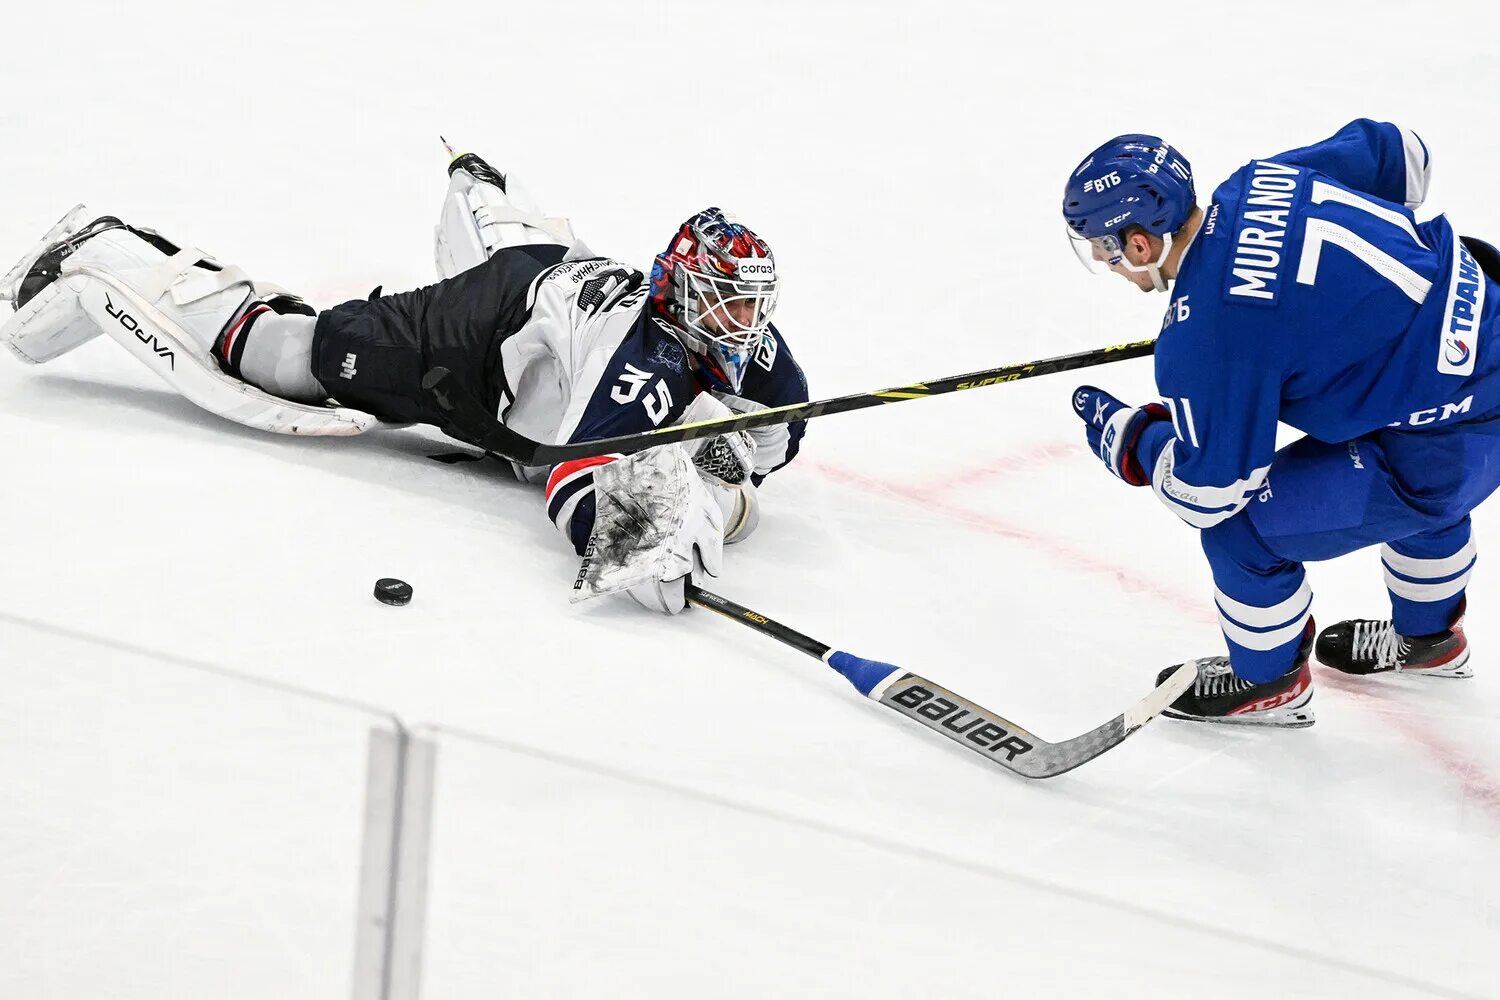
{"x": 11, "y": 285}
{"x": 1220, "y": 695}
{"x": 475, "y": 166}
{"x": 1363, "y": 646}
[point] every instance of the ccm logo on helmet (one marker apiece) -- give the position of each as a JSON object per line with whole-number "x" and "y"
{"x": 1112, "y": 223}
{"x": 757, "y": 270}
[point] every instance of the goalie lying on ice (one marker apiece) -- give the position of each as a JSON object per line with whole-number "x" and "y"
{"x": 561, "y": 345}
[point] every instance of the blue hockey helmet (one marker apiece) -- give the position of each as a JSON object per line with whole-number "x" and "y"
{"x": 1131, "y": 180}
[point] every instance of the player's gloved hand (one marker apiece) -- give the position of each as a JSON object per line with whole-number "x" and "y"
{"x": 655, "y": 525}
{"x": 730, "y": 457}
{"x": 694, "y": 549}
{"x": 1115, "y": 428}
{"x": 669, "y": 596}
{"x": 724, "y": 463}
{"x": 771, "y": 442}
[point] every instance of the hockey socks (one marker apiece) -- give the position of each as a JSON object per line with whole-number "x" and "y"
{"x": 270, "y": 346}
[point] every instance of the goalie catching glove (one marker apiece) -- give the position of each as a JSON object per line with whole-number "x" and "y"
{"x": 655, "y": 524}
{"x": 664, "y": 514}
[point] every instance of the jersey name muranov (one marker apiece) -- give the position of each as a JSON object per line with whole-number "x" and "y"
{"x": 1312, "y": 296}
{"x": 1260, "y": 233}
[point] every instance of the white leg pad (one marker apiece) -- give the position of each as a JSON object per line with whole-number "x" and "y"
{"x": 47, "y": 339}
{"x": 49, "y": 327}
{"x": 478, "y": 219}
{"x": 164, "y": 347}
{"x": 167, "y": 312}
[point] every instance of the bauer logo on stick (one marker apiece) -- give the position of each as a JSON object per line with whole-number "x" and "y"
{"x": 938, "y": 712}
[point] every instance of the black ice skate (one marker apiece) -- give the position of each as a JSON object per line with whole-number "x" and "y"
{"x": 1362, "y": 646}
{"x": 43, "y": 263}
{"x": 1220, "y": 695}
{"x": 476, "y": 168}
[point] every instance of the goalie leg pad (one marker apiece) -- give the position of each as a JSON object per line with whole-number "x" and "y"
{"x": 479, "y": 217}
{"x": 55, "y": 335}
{"x": 48, "y": 326}
{"x": 167, "y": 310}
{"x": 158, "y": 343}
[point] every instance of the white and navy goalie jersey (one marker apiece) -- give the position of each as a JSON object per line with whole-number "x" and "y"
{"x": 562, "y": 350}
{"x": 1312, "y": 295}
{"x": 591, "y": 362}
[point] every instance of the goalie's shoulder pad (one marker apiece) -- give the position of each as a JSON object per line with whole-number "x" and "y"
{"x": 588, "y": 287}
{"x": 579, "y": 307}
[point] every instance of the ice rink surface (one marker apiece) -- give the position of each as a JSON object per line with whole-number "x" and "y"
{"x": 634, "y": 806}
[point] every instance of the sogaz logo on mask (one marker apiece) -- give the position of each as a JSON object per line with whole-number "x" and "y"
{"x": 756, "y": 269}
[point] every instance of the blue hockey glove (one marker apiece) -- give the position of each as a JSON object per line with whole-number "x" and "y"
{"x": 1114, "y": 429}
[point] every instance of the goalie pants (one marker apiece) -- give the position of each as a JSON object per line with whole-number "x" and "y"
{"x": 371, "y": 354}
{"x": 1408, "y": 491}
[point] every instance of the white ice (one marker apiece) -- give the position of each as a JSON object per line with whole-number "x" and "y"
{"x": 631, "y": 806}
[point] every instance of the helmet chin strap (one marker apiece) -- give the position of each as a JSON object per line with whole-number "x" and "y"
{"x": 1153, "y": 268}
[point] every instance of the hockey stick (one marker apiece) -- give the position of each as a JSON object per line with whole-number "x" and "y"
{"x": 494, "y": 436}
{"x": 960, "y": 720}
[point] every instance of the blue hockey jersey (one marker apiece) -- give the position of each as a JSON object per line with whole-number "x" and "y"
{"x": 1312, "y": 296}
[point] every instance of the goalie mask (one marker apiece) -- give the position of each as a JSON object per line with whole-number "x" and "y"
{"x": 716, "y": 286}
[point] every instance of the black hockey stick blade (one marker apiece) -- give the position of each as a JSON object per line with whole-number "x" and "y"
{"x": 486, "y": 431}
{"x": 975, "y": 728}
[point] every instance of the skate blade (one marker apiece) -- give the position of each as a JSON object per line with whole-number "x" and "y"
{"x": 1456, "y": 670}
{"x": 70, "y": 223}
{"x": 1280, "y": 718}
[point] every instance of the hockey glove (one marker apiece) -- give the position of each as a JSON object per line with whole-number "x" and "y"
{"x": 1114, "y": 429}
{"x": 771, "y": 443}
{"x": 725, "y": 464}
{"x": 731, "y": 456}
{"x": 655, "y": 525}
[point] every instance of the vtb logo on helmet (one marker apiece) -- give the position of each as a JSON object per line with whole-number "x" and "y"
{"x": 716, "y": 286}
{"x": 1131, "y": 180}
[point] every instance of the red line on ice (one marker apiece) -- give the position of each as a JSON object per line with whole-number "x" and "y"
{"x": 1039, "y": 455}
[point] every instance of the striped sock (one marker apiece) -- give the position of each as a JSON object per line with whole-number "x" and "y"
{"x": 230, "y": 349}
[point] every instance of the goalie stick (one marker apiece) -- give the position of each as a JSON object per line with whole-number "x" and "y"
{"x": 951, "y": 715}
{"x": 485, "y": 429}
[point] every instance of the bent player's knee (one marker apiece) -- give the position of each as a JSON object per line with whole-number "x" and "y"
{"x": 1238, "y": 539}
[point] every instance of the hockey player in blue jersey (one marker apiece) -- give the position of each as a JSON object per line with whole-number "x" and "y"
{"x": 1305, "y": 292}
{"x": 561, "y": 344}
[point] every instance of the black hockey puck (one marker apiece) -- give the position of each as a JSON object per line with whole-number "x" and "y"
{"x": 389, "y": 590}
